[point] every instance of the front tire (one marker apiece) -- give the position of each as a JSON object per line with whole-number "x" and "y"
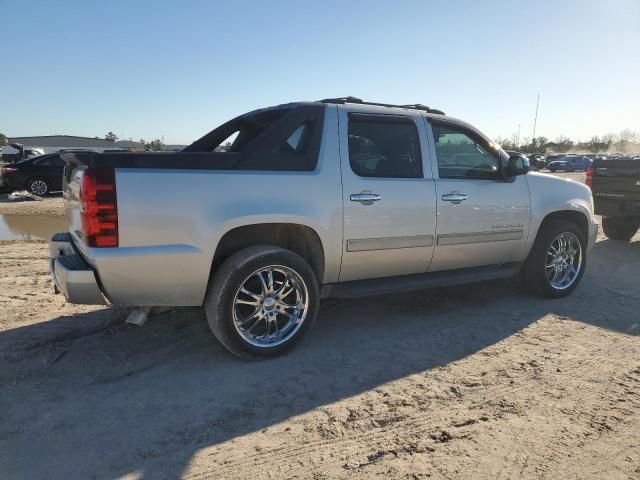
{"x": 620, "y": 228}
{"x": 38, "y": 186}
{"x": 557, "y": 260}
{"x": 262, "y": 301}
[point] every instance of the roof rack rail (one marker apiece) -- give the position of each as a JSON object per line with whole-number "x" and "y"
{"x": 413, "y": 106}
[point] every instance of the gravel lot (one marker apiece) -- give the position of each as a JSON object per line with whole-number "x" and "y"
{"x": 478, "y": 381}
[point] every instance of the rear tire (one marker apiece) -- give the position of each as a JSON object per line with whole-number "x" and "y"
{"x": 38, "y": 186}
{"x": 256, "y": 295}
{"x": 537, "y": 270}
{"x": 620, "y": 228}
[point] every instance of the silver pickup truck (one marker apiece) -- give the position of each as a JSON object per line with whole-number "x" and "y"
{"x": 274, "y": 210}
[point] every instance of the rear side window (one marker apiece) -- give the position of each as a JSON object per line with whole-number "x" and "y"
{"x": 382, "y": 146}
{"x": 296, "y": 141}
{"x": 51, "y": 162}
{"x": 280, "y": 139}
{"x": 463, "y": 154}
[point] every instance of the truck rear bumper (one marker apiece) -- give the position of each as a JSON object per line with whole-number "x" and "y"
{"x": 71, "y": 274}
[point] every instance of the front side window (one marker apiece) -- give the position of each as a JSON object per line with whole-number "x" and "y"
{"x": 384, "y": 147}
{"x": 462, "y": 154}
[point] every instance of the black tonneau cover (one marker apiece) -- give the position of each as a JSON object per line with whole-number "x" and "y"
{"x": 163, "y": 160}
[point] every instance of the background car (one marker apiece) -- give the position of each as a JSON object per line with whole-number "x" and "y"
{"x": 570, "y": 163}
{"x": 15, "y": 152}
{"x": 537, "y": 160}
{"x": 38, "y": 175}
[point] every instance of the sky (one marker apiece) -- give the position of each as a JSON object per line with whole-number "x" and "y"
{"x": 176, "y": 70}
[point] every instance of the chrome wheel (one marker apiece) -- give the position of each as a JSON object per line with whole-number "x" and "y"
{"x": 270, "y": 306}
{"x": 39, "y": 187}
{"x": 563, "y": 261}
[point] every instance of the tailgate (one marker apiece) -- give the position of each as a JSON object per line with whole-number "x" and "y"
{"x": 617, "y": 176}
{"x": 616, "y": 186}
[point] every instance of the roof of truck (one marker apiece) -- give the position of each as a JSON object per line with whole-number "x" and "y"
{"x": 359, "y": 101}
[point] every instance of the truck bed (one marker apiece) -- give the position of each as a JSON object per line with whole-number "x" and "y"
{"x": 173, "y": 209}
{"x": 164, "y": 160}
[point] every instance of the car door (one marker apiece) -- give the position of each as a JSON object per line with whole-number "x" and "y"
{"x": 482, "y": 219}
{"x": 388, "y": 195}
{"x": 51, "y": 168}
{"x": 56, "y": 172}
{"x": 583, "y": 163}
{"x": 574, "y": 163}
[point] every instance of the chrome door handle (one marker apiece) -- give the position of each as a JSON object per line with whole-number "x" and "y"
{"x": 365, "y": 198}
{"x": 454, "y": 197}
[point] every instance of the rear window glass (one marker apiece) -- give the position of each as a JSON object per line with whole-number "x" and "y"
{"x": 380, "y": 147}
{"x": 285, "y": 138}
{"x": 295, "y": 141}
{"x": 50, "y": 162}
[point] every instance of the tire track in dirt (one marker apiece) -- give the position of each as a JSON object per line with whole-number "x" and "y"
{"x": 357, "y": 440}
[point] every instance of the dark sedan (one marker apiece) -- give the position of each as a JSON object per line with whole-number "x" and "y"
{"x": 38, "y": 175}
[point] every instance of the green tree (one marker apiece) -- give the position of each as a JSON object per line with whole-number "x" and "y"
{"x": 539, "y": 144}
{"x": 3, "y": 139}
{"x": 155, "y": 145}
{"x": 224, "y": 147}
{"x": 111, "y": 136}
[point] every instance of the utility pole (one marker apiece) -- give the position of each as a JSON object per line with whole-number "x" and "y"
{"x": 535, "y": 120}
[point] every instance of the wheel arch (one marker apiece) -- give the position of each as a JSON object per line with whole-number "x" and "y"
{"x": 300, "y": 239}
{"x": 576, "y": 217}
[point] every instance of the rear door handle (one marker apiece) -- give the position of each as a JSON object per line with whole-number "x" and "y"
{"x": 365, "y": 198}
{"x": 454, "y": 197}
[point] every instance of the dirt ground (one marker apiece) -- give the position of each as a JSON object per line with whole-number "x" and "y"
{"x": 478, "y": 381}
{"x": 51, "y": 206}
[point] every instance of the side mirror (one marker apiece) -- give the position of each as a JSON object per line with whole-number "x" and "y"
{"x": 517, "y": 165}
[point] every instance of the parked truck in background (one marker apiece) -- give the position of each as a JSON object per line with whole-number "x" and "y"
{"x": 616, "y": 192}
{"x": 337, "y": 198}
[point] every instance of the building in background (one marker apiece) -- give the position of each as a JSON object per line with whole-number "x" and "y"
{"x": 54, "y": 143}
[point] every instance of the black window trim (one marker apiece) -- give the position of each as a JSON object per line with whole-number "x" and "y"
{"x": 387, "y": 118}
{"x": 474, "y": 136}
{"x": 259, "y": 149}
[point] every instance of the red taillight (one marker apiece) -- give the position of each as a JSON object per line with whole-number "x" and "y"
{"x": 98, "y": 208}
{"x": 8, "y": 170}
{"x": 589, "y": 180}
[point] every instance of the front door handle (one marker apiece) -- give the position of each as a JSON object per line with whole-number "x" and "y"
{"x": 454, "y": 197}
{"x": 365, "y": 198}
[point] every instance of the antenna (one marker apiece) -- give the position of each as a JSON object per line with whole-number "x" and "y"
{"x": 535, "y": 120}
